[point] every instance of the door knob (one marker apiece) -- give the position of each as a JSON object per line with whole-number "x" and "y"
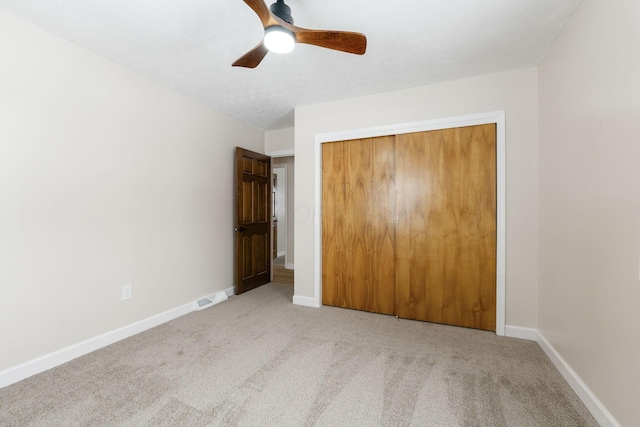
{"x": 239, "y": 229}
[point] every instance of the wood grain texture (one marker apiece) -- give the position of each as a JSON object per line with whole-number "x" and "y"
{"x": 344, "y": 41}
{"x": 253, "y": 58}
{"x": 252, "y": 220}
{"x": 358, "y": 221}
{"x": 446, "y": 230}
{"x": 261, "y": 9}
{"x": 283, "y": 275}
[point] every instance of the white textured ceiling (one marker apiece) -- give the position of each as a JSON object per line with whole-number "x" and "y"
{"x": 190, "y": 45}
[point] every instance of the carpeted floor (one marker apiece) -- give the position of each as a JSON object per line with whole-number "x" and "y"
{"x": 258, "y": 360}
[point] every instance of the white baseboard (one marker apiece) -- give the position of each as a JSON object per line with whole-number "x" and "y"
{"x": 593, "y": 404}
{"x": 210, "y": 300}
{"x": 44, "y": 363}
{"x": 281, "y": 253}
{"x": 305, "y": 301}
{"x": 520, "y": 332}
{"x": 289, "y": 266}
{"x": 230, "y": 291}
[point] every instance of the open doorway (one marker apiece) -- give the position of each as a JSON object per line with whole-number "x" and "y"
{"x": 283, "y": 266}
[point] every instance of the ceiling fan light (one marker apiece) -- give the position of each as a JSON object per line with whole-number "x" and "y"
{"x": 278, "y": 39}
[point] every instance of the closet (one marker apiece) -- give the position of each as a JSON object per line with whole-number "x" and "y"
{"x": 409, "y": 225}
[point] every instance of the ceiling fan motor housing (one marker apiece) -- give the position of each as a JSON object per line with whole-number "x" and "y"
{"x": 282, "y": 11}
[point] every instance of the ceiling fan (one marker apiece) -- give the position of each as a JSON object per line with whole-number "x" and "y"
{"x": 280, "y": 35}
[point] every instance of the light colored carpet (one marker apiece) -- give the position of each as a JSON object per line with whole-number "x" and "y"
{"x": 258, "y": 360}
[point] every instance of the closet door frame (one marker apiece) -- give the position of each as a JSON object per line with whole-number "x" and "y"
{"x": 495, "y": 117}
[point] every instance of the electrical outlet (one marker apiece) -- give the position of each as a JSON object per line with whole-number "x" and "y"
{"x": 126, "y": 292}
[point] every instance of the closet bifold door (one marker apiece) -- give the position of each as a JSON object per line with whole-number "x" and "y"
{"x": 358, "y": 224}
{"x": 446, "y": 229}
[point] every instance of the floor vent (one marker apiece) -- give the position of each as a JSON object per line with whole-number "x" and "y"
{"x": 214, "y": 299}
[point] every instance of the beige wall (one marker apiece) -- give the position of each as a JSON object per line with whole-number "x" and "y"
{"x": 515, "y": 92}
{"x": 279, "y": 142}
{"x": 110, "y": 179}
{"x": 589, "y": 292}
{"x": 281, "y": 207}
{"x": 107, "y": 178}
{"x": 289, "y": 163}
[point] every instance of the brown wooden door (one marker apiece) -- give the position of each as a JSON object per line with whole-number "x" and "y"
{"x": 358, "y": 215}
{"x": 409, "y": 225}
{"x": 446, "y": 230}
{"x": 252, "y": 220}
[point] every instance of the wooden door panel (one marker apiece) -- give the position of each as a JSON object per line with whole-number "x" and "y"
{"x": 358, "y": 203}
{"x": 247, "y": 202}
{"x": 247, "y": 259}
{"x": 413, "y": 215}
{"x": 261, "y": 192}
{"x": 261, "y": 250}
{"x": 253, "y": 220}
{"x": 446, "y": 230}
{"x": 254, "y": 250}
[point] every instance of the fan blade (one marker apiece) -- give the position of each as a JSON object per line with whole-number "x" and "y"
{"x": 343, "y": 41}
{"x": 252, "y": 58}
{"x": 261, "y": 9}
